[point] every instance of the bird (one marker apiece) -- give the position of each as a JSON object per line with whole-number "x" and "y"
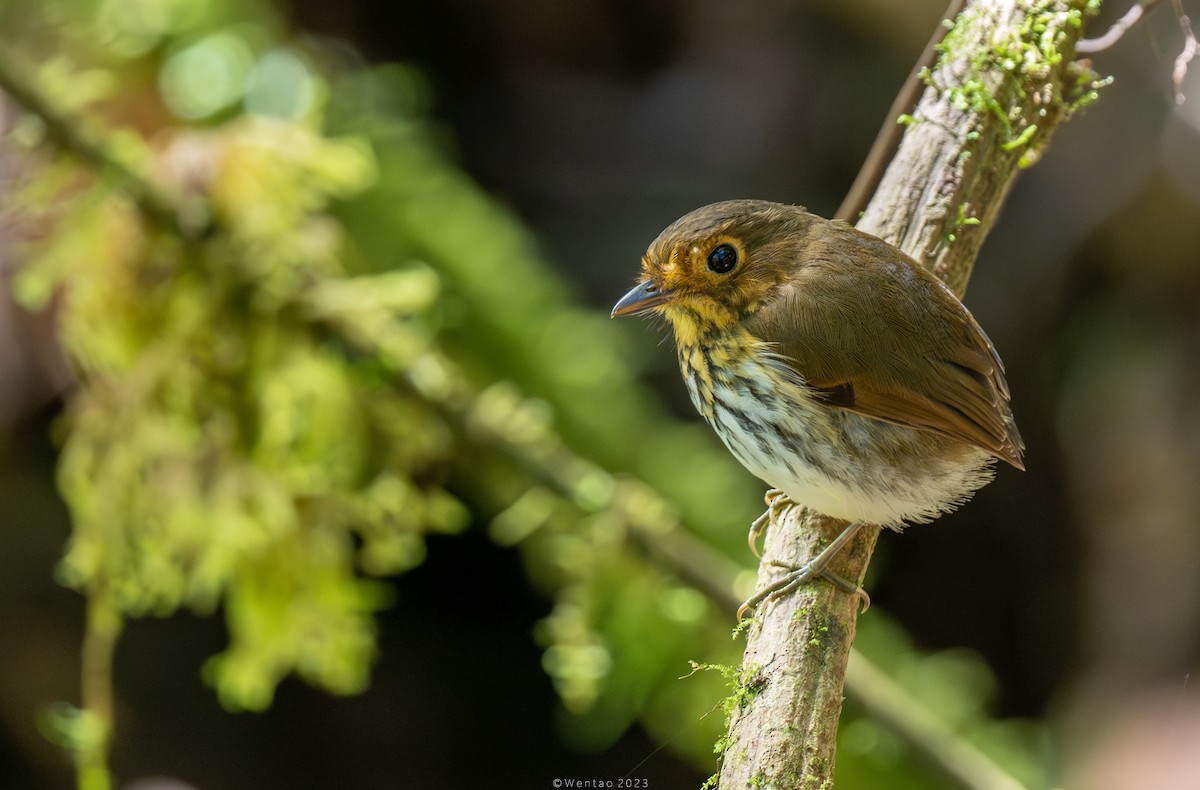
{"x": 832, "y": 365}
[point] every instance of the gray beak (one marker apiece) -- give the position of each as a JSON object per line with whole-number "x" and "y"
{"x": 642, "y": 297}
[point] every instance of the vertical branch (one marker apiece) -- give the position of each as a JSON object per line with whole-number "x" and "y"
{"x": 1004, "y": 81}
{"x": 785, "y": 736}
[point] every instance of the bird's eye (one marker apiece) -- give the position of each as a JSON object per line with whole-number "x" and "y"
{"x": 722, "y": 259}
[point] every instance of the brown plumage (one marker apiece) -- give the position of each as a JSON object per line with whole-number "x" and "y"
{"x": 888, "y": 340}
{"x": 831, "y": 364}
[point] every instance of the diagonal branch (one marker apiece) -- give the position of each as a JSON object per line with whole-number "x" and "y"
{"x": 71, "y": 133}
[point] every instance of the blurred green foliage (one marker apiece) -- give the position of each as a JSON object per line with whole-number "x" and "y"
{"x": 223, "y": 445}
{"x": 339, "y": 345}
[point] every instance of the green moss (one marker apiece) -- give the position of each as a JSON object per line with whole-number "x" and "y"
{"x": 746, "y": 682}
{"x": 818, "y": 778}
{"x": 824, "y": 632}
{"x": 750, "y": 683}
{"x": 823, "y": 636}
{"x": 819, "y": 628}
{"x": 1017, "y": 72}
{"x": 821, "y": 779}
{"x": 1022, "y": 139}
{"x": 960, "y": 221}
{"x": 743, "y": 626}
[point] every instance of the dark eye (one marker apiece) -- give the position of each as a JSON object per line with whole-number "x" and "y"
{"x": 722, "y": 259}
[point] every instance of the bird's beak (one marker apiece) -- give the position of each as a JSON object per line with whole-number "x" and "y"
{"x": 640, "y": 298}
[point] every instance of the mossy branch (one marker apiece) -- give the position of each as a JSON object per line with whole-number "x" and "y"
{"x": 74, "y": 135}
{"x": 1005, "y": 79}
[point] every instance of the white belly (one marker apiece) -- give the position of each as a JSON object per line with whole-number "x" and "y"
{"x": 829, "y": 459}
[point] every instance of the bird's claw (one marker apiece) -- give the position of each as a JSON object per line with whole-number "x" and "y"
{"x": 777, "y": 504}
{"x": 818, "y": 566}
{"x": 793, "y": 579}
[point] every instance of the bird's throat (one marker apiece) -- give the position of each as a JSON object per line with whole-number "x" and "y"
{"x": 708, "y": 358}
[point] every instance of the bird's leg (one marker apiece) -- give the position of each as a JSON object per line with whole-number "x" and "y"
{"x": 778, "y": 504}
{"x": 817, "y": 566}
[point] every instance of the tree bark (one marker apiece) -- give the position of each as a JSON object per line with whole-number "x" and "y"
{"x": 1005, "y": 79}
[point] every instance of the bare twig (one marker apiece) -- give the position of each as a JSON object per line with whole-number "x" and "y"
{"x": 1179, "y": 73}
{"x": 1090, "y": 46}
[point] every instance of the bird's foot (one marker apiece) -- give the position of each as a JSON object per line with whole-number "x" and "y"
{"x": 817, "y": 566}
{"x": 778, "y": 504}
{"x": 796, "y": 577}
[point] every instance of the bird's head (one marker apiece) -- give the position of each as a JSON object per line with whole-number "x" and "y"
{"x": 715, "y": 266}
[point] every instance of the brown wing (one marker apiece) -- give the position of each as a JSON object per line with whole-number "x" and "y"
{"x": 883, "y": 337}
